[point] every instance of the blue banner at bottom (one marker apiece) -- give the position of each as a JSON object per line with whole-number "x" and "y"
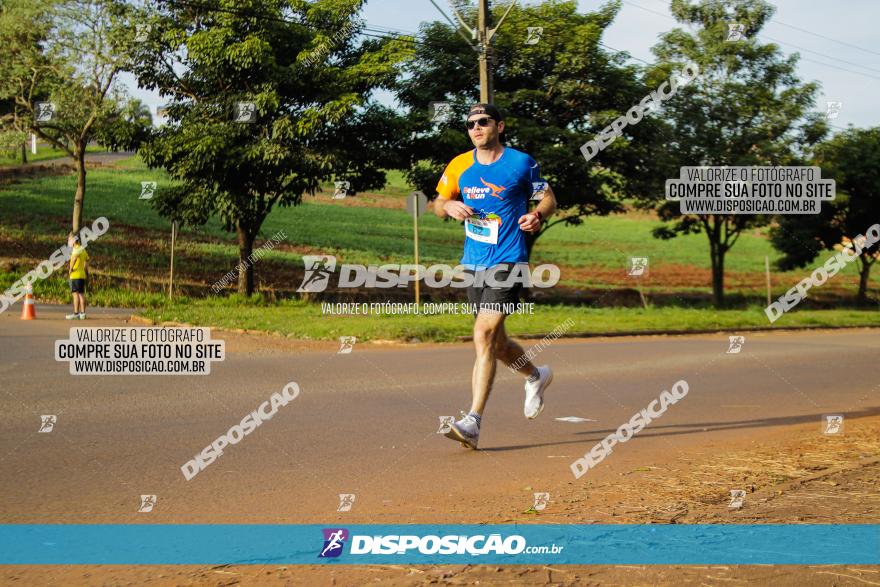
{"x": 255, "y": 544}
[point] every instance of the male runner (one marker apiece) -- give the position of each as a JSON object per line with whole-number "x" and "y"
{"x": 495, "y": 184}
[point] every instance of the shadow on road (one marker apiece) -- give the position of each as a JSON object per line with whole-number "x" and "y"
{"x": 693, "y": 428}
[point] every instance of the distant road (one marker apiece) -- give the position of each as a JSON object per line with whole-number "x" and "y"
{"x": 90, "y": 158}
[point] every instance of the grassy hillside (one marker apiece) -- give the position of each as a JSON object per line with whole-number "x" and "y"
{"x": 130, "y": 262}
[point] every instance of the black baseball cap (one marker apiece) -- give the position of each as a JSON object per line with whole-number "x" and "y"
{"x": 487, "y": 109}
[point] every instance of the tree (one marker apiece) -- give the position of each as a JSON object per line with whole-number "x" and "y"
{"x": 556, "y": 94}
{"x": 746, "y": 108}
{"x": 127, "y": 128}
{"x": 10, "y": 135}
{"x": 307, "y": 86}
{"x": 69, "y": 53}
{"x": 852, "y": 159}
{"x": 23, "y": 28}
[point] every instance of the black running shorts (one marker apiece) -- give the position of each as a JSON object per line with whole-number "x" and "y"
{"x": 499, "y": 299}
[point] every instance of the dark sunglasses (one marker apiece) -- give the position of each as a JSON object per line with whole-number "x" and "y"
{"x": 483, "y": 122}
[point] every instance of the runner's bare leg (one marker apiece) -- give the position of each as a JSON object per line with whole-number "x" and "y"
{"x": 486, "y": 328}
{"x": 508, "y": 352}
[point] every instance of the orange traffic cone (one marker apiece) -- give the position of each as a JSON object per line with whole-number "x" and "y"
{"x": 28, "y": 310}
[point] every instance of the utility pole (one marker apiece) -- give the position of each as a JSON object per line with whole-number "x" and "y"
{"x": 171, "y": 273}
{"x": 486, "y": 93}
{"x": 483, "y": 35}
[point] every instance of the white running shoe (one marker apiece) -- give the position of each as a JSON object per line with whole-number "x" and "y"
{"x": 81, "y": 316}
{"x": 466, "y": 431}
{"x": 72, "y": 317}
{"x": 534, "y": 403}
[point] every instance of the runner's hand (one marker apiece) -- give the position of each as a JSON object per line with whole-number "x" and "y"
{"x": 458, "y": 210}
{"x": 529, "y": 222}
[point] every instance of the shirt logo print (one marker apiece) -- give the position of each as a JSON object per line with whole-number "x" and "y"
{"x": 496, "y": 190}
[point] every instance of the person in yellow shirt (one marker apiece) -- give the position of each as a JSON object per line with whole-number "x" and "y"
{"x": 79, "y": 272}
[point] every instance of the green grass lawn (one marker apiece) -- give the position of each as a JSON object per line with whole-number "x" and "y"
{"x": 359, "y": 234}
{"x": 130, "y": 262}
{"x": 44, "y": 153}
{"x": 371, "y": 235}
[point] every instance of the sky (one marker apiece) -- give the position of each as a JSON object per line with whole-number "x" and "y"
{"x": 838, "y": 43}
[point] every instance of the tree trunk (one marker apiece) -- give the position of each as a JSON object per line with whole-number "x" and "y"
{"x": 864, "y": 275}
{"x": 79, "y": 159}
{"x": 717, "y": 254}
{"x": 246, "y": 268}
{"x": 23, "y": 153}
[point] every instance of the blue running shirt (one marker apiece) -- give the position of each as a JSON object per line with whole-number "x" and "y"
{"x": 499, "y": 195}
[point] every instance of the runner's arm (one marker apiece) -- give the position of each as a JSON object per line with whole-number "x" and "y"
{"x": 547, "y": 205}
{"x": 438, "y": 204}
{"x": 444, "y": 207}
{"x": 531, "y": 222}
{"x": 446, "y": 203}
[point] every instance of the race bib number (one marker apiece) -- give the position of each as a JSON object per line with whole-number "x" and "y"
{"x": 484, "y": 231}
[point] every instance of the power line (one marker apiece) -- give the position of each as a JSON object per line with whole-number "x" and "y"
{"x": 630, "y": 3}
{"x": 818, "y": 53}
{"x": 625, "y": 53}
{"x": 774, "y": 21}
{"x": 841, "y": 68}
{"x": 826, "y": 38}
{"x": 387, "y": 34}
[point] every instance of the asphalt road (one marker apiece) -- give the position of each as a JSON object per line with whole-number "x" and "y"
{"x": 102, "y": 158}
{"x": 365, "y": 423}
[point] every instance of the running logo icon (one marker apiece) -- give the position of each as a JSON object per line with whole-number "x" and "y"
{"x": 47, "y": 423}
{"x": 440, "y": 112}
{"x": 44, "y": 111}
{"x": 736, "y": 344}
{"x": 832, "y": 424}
{"x": 346, "y": 345}
{"x": 736, "y": 498}
{"x": 148, "y": 502}
{"x": 445, "y": 424}
{"x": 833, "y": 110}
{"x": 334, "y": 541}
{"x": 148, "y": 190}
{"x": 319, "y": 268}
{"x": 142, "y": 33}
{"x": 245, "y": 112}
{"x": 538, "y": 190}
{"x": 346, "y": 501}
{"x": 638, "y": 266}
{"x": 534, "y": 35}
{"x": 541, "y": 501}
{"x": 735, "y": 32}
{"x": 341, "y": 189}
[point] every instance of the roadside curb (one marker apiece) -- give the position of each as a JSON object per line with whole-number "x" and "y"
{"x": 678, "y": 332}
{"x": 135, "y": 319}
